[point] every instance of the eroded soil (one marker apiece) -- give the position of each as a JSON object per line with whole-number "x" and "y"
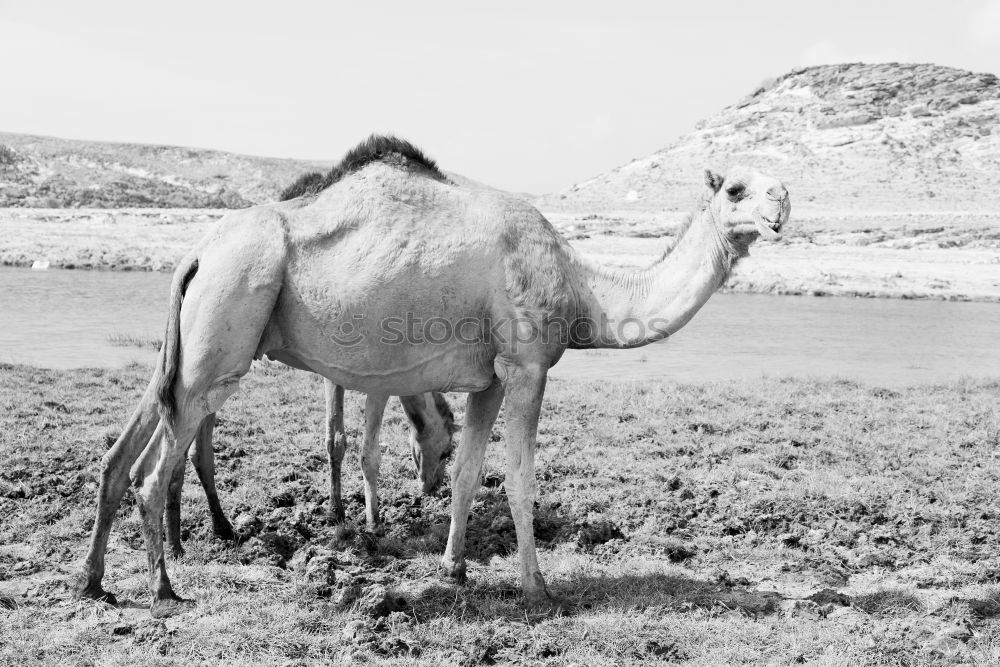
{"x": 786, "y": 521}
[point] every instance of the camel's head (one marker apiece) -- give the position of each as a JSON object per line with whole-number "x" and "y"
{"x": 748, "y": 204}
{"x": 432, "y": 444}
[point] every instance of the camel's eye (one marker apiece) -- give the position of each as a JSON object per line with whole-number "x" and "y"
{"x": 736, "y": 191}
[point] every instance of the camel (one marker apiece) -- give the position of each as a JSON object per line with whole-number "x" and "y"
{"x": 432, "y": 425}
{"x": 388, "y": 278}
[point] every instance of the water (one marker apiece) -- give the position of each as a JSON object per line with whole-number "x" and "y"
{"x": 62, "y": 319}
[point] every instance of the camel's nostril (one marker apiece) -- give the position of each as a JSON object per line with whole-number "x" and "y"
{"x": 777, "y": 192}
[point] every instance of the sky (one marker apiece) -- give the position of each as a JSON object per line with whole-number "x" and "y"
{"x": 525, "y": 96}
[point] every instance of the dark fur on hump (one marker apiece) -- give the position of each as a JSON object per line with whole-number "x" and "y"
{"x": 376, "y": 148}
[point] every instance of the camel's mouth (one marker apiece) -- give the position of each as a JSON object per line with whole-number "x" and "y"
{"x": 769, "y": 229}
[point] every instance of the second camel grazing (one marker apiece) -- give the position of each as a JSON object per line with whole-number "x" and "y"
{"x": 432, "y": 425}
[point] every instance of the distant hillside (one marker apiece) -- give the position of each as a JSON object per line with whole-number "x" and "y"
{"x": 46, "y": 172}
{"x": 886, "y": 137}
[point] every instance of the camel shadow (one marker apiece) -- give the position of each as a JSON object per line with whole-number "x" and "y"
{"x": 666, "y": 593}
{"x": 423, "y": 524}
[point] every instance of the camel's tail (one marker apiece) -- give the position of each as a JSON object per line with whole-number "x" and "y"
{"x": 169, "y": 356}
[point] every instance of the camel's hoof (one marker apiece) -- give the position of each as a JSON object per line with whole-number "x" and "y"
{"x": 226, "y": 533}
{"x": 172, "y": 606}
{"x": 89, "y": 591}
{"x": 100, "y": 595}
{"x": 176, "y": 551}
{"x": 453, "y": 572}
{"x": 544, "y": 605}
{"x": 336, "y": 516}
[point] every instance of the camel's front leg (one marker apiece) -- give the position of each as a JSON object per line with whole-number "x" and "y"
{"x": 115, "y": 466}
{"x": 202, "y": 455}
{"x": 371, "y": 455}
{"x": 336, "y": 447}
{"x": 525, "y": 388}
{"x": 480, "y": 414}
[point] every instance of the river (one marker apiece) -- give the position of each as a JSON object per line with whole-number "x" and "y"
{"x": 64, "y": 319}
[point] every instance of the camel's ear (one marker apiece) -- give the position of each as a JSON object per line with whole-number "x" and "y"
{"x": 713, "y": 180}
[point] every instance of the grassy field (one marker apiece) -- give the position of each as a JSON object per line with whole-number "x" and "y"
{"x": 764, "y": 522}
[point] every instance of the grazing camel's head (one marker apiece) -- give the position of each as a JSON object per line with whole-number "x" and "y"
{"x": 747, "y": 204}
{"x": 431, "y": 443}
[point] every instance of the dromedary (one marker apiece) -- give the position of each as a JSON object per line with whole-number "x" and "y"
{"x": 394, "y": 280}
{"x": 432, "y": 425}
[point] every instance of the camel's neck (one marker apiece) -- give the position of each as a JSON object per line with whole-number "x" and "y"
{"x": 634, "y": 308}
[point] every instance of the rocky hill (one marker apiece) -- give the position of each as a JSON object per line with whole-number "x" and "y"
{"x": 47, "y": 172}
{"x": 855, "y": 137}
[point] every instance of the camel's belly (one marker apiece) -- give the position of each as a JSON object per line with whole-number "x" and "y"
{"x": 386, "y": 315}
{"x": 375, "y": 350}
{"x": 402, "y": 378}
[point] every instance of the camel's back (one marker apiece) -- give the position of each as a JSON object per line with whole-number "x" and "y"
{"x": 400, "y": 205}
{"x": 384, "y": 224}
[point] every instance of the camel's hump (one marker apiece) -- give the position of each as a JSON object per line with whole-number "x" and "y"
{"x": 376, "y": 148}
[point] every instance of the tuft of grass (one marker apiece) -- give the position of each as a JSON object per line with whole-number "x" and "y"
{"x": 888, "y": 602}
{"x": 134, "y": 340}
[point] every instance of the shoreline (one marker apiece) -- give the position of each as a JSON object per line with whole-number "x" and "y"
{"x": 922, "y": 256}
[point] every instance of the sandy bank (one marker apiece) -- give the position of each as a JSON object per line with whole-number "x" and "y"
{"x": 919, "y": 256}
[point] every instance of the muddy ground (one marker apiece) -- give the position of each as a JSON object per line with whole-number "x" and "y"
{"x": 764, "y": 522}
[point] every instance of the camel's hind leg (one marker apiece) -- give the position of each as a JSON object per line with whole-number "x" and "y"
{"x": 371, "y": 455}
{"x": 221, "y": 323}
{"x": 203, "y": 459}
{"x": 115, "y": 465}
{"x": 202, "y": 456}
{"x": 151, "y": 475}
{"x": 172, "y": 514}
{"x": 336, "y": 447}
